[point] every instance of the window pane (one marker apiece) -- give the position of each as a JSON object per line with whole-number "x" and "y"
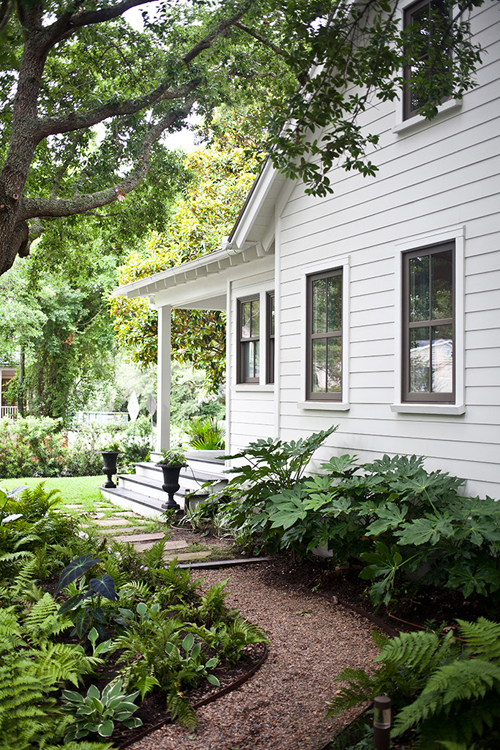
{"x": 442, "y": 359}
{"x": 334, "y": 376}
{"x": 419, "y": 360}
{"x": 319, "y": 306}
{"x": 246, "y": 309}
{"x": 318, "y": 380}
{"x": 271, "y": 314}
{"x": 255, "y": 318}
{"x": 419, "y": 289}
{"x": 334, "y": 303}
{"x": 442, "y": 285}
{"x": 256, "y": 359}
{"x": 248, "y": 360}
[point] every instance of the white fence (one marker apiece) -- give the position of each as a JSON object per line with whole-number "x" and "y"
{"x": 101, "y": 417}
{"x": 8, "y": 411}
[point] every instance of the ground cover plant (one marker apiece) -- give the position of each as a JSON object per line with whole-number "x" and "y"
{"x": 89, "y": 630}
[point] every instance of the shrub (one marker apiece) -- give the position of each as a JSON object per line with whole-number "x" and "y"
{"x": 31, "y": 447}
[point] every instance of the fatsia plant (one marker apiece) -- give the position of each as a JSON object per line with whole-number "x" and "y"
{"x": 271, "y": 466}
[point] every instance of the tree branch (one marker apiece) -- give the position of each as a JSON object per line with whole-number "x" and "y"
{"x": 265, "y": 42}
{"x": 52, "y": 208}
{"x": 83, "y": 120}
{"x": 6, "y": 7}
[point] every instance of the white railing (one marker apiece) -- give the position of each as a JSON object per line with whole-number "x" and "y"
{"x": 8, "y": 411}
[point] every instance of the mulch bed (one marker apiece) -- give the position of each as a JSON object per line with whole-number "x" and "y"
{"x": 152, "y": 710}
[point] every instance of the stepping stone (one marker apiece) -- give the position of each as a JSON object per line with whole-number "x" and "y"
{"x": 188, "y": 556}
{"x": 142, "y": 537}
{"x": 142, "y": 546}
{"x": 105, "y": 522}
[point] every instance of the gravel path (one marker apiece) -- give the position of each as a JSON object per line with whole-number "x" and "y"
{"x": 283, "y": 706}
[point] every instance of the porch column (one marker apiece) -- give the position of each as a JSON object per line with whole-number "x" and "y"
{"x": 164, "y": 358}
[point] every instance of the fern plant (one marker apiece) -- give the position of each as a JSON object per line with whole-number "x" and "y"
{"x": 457, "y": 684}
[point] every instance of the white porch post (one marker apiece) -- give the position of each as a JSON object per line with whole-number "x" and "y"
{"x": 164, "y": 359}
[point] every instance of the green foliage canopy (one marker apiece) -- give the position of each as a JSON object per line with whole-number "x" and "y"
{"x": 221, "y": 175}
{"x": 64, "y": 69}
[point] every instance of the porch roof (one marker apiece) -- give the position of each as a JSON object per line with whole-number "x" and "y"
{"x": 252, "y": 237}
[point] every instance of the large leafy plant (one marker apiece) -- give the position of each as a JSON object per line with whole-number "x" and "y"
{"x": 84, "y": 606}
{"x": 398, "y": 518}
{"x": 269, "y": 466}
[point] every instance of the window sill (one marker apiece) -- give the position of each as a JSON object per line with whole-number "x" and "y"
{"x": 451, "y": 409}
{"x": 253, "y": 387}
{"x": 418, "y": 120}
{"x": 324, "y": 405}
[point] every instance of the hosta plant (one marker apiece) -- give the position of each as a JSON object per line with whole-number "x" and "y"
{"x": 95, "y": 714}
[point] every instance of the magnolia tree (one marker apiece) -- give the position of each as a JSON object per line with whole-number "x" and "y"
{"x": 221, "y": 175}
{"x": 86, "y": 97}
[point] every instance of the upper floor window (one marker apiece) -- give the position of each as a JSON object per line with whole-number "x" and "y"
{"x": 249, "y": 340}
{"x": 426, "y": 80}
{"x": 429, "y": 324}
{"x": 324, "y": 336}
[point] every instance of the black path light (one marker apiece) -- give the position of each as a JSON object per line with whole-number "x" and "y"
{"x": 381, "y": 722}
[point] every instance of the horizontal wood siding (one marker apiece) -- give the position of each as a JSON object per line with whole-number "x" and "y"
{"x": 252, "y": 407}
{"x": 435, "y": 175}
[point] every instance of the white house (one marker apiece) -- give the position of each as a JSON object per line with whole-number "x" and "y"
{"x": 376, "y": 308}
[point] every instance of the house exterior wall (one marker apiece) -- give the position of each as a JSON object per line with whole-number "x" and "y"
{"x": 250, "y": 408}
{"x": 436, "y": 180}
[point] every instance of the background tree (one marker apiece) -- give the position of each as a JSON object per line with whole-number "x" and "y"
{"x": 221, "y": 175}
{"x": 60, "y": 325}
{"x": 66, "y": 67}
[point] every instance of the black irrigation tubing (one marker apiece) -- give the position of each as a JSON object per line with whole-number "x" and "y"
{"x": 203, "y": 702}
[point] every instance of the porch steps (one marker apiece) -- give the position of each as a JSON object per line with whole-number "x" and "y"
{"x": 142, "y": 492}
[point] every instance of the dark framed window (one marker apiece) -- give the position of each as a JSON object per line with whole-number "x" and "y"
{"x": 429, "y": 324}
{"x": 324, "y": 336}
{"x": 270, "y": 337}
{"x": 249, "y": 340}
{"x": 426, "y": 22}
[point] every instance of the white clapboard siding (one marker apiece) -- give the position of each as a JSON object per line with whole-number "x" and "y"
{"x": 251, "y": 413}
{"x": 434, "y": 175}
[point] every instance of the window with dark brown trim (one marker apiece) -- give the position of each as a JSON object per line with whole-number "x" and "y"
{"x": 270, "y": 337}
{"x": 428, "y": 18}
{"x": 429, "y": 324}
{"x": 324, "y": 336}
{"x": 249, "y": 340}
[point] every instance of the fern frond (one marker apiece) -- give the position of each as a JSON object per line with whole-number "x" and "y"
{"x": 358, "y": 690}
{"x": 419, "y": 652}
{"x": 454, "y": 690}
{"x": 482, "y": 637}
{"x": 181, "y": 710}
{"x": 57, "y": 663}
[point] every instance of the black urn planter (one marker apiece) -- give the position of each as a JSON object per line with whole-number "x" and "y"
{"x": 109, "y": 468}
{"x": 170, "y": 485}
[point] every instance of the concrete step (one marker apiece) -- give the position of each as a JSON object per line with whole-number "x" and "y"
{"x": 142, "y": 504}
{"x": 193, "y": 475}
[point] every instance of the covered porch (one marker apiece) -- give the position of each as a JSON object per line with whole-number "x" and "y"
{"x": 201, "y": 284}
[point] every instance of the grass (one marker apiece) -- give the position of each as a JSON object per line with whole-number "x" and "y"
{"x": 83, "y": 490}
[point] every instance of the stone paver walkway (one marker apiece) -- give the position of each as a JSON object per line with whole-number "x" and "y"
{"x": 125, "y": 526}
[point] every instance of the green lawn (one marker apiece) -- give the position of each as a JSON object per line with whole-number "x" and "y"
{"x": 73, "y": 489}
